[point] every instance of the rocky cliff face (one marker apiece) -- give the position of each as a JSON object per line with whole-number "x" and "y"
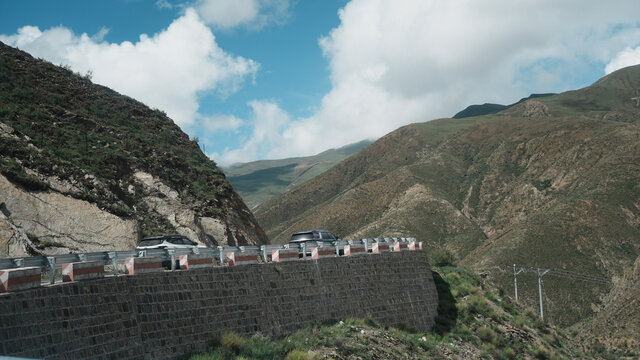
{"x": 84, "y": 169}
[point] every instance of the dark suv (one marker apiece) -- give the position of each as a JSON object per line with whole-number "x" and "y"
{"x": 313, "y": 235}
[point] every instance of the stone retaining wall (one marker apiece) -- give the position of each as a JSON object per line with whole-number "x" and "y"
{"x": 165, "y": 315}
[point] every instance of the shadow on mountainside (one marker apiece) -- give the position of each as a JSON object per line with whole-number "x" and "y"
{"x": 447, "y": 310}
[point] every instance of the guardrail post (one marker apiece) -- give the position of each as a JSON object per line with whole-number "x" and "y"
{"x": 337, "y": 244}
{"x": 221, "y": 255}
{"x": 172, "y": 255}
{"x": 19, "y": 262}
{"x": 82, "y": 257}
{"x": 304, "y": 250}
{"x": 366, "y": 248}
{"x": 114, "y": 260}
{"x": 52, "y": 269}
{"x": 263, "y": 249}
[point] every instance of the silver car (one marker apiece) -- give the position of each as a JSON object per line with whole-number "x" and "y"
{"x": 313, "y": 235}
{"x": 167, "y": 242}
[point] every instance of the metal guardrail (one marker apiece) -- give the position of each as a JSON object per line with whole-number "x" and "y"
{"x": 113, "y": 258}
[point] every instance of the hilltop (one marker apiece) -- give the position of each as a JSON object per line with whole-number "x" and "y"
{"x": 258, "y": 181}
{"x": 552, "y": 182}
{"x": 84, "y": 168}
{"x": 489, "y": 108}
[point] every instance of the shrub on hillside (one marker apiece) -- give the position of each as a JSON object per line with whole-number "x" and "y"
{"x": 441, "y": 257}
{"x": 233, "y": 342}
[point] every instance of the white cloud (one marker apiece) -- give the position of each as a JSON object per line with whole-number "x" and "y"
{"x": 394, "y": 63}
{"x": 220, "y": 122}
{"x": 624, "y": 58}
{"x": 268, "y": 120}
{"x": 256, "y": 14}
{"x": 164, "y": 4}
{"x": 167, "y": 70}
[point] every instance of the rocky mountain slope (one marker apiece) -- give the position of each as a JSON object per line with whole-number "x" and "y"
{"x": 551, "y": 182}
{"x": 83, "y": 168}
{"x": 258, "y": 181}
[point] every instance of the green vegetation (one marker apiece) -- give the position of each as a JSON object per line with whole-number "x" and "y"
{"x": 16, "y": 174}
{"x": 542, "y": 185}
{"x": 474, "y": 321}
{"x": 441, "y": 257}
{"x": 64, "y": 126}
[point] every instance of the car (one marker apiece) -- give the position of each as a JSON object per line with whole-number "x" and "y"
{"x": 173, "y": 241}
{"x": 313, "y": 235}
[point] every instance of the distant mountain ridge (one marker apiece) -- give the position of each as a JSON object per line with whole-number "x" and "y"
{"x": 84, "y": 168}
{"x": 488, "y": 108}
{"x": 552, "y": 181}
{"x": 258, "y": 181}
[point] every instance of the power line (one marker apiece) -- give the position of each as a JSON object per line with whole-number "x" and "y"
{"x": 560, "y": 273}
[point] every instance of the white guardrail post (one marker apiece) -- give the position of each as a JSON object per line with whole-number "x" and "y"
{"x": 263, "y": 250}
{"x": 52, "y": 269}
{"x": 114, "y": 260}
{"x": 172, "y": 255}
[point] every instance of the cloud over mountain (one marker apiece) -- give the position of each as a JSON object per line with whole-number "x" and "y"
{"x": 392, "y": 65}
{"x": 624, "y": 58}
{"x": 166, "y": 70}
{"x": 389, "y": 64}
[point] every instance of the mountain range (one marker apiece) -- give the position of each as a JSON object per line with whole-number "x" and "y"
{"x": 551, "y": 182}
{"x": 258, "y": 181}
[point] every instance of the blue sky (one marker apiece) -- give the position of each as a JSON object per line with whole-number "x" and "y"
{"x": 255, "y": 79}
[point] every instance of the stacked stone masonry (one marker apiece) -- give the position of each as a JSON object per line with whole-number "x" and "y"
{"x": 165, "y": 315}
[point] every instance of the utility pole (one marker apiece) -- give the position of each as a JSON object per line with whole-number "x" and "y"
{"x": 540, "y": 272}
{"x": 515, "y": 279}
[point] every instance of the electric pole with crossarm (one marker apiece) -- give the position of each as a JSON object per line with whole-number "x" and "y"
{"x": 540, "y": 272}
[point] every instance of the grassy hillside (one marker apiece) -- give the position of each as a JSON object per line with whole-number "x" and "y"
{"x": 258, "y": 181}
{"x": 60, "y": 127}
{"x": 476, "y": 321}
{"x": 552, "y": 182}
